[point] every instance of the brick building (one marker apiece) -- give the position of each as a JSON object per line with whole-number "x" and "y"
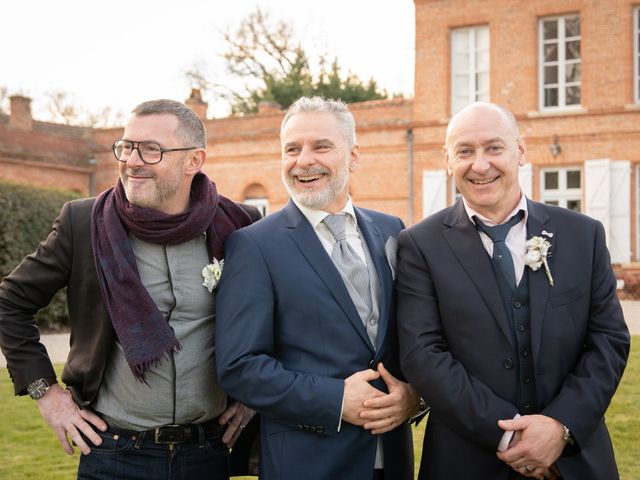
{"x": 568, "y": 70}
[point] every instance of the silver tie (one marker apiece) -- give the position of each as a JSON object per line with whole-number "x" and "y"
{"x": 346, "y": 260}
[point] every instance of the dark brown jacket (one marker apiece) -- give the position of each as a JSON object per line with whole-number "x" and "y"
{"x": 64, "y": 259}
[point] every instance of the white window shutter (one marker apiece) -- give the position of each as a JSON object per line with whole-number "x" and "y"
{"x": 597, "y": 187}
{"x": 525, "y": 176}
{"x": 434, "y": 191}
{"x": 619, "y": 240}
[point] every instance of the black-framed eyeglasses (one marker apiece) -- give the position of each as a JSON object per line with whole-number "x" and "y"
{"x": 149, "y": 152}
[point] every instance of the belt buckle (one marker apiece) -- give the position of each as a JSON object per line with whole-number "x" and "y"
{"x": 169, "y": 434}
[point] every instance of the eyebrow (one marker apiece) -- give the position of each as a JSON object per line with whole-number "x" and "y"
{"x": 486, "y": 142}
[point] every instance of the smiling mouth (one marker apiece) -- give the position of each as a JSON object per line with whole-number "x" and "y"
{"x": 308, "y": 178}
{"x": 484, "y": 182}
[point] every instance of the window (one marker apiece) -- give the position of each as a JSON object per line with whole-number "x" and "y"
{"x": 469, "y": 66}
{"x": 636, "y": 53}
{"x": 560, "y": 73}
{"x": 562, "y": 187}
{"x": 262, "y": 204}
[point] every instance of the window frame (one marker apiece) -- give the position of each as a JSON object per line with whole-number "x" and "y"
{"x": 473, "y": 51}
{"x": 636, "y": 54}
{"x": 561, "y": 63}
{"x": 562, "y": 194}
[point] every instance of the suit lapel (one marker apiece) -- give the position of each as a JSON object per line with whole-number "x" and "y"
{"x": 464, "y": 241}
{"x": 305, "y": 237}
{"x": 538, "y": 281}
{"x": 375, "y": 243}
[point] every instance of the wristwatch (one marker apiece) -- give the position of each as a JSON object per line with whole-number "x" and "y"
{"x": 568, "y": 436}
{"x": 39, "y": 387}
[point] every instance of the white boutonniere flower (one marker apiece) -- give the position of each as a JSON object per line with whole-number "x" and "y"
{"x": 212, "y": 273}
{"x": 536, "y": 256}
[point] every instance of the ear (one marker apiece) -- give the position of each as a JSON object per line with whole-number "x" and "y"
{"x": 446, "y": 161}
{"x": 522, "y": 151}
{"x": 195, "y": 161}
{"x": 354, "y": 158}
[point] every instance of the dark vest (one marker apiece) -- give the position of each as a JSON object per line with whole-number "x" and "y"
{"x": 517, "y": 308}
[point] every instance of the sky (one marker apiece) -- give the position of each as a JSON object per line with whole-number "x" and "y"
{"x": 119, "y": 53}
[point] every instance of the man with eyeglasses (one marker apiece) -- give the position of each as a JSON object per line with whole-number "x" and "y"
{"x": 142, "y": 399}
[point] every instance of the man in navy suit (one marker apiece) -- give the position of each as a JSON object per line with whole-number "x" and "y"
{"x": 508, "y": 306}
{"x": 306, "y": 331}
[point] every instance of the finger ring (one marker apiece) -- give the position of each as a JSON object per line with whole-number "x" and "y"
{"x": 242, "y": 426}
{"x": 527, "y": 469}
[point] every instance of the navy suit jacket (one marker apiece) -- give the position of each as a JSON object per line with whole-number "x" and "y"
{"x": 458, "y": 352}
{"x": 288, "y": 334}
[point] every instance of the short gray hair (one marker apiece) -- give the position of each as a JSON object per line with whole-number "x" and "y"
{"x": 337, "y": 108}
{"x": 190, "y": 128}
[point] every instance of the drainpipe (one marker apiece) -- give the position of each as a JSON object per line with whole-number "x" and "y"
{"x": 410, "y": 172}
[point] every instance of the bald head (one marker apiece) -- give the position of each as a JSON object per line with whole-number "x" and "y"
{"x": 480, "y": 109}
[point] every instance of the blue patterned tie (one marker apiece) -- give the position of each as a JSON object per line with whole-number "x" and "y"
{"x": 501, "y": 253}
{"x": 346, "y": 259}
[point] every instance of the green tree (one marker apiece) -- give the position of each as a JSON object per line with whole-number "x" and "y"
{"x": 272, "y": 66}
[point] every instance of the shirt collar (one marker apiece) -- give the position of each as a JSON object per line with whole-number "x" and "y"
{"x": 315, "y": 217}
{"x": 522, "y": 205}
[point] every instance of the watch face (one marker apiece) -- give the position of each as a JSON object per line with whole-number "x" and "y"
{"x": 37, "y": 389}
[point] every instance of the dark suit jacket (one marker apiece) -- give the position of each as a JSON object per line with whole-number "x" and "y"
{"x": 457, "y": 349}
{"x": 288, "y": 335}
{"x": 64, "y": 259}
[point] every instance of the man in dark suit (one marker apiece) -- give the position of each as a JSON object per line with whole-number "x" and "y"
{"x": 492, "y": 325}
{"x": 306, "y": 330}
{"x": 141, "y": 399}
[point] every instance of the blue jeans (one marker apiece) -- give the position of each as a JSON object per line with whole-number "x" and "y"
{"x": 122, "y": 456}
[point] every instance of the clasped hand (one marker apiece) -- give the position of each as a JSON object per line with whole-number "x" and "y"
{"x": 374, "y": 410}
{"x": 536, "y": 445}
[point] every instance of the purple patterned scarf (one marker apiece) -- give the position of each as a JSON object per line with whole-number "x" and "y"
{"x": 144, "y": 334}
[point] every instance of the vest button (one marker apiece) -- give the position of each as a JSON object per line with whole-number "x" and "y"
{"x": 521, "y": 328}
{"x": 524, "y": 352}
{"x": 507, "y": 363}
{"x": 526, "y": 380}
{"x": 373, "y": 322}
{"x": 517, "y": 304}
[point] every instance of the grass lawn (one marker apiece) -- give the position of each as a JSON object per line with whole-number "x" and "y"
{"x": 30, "y": 449}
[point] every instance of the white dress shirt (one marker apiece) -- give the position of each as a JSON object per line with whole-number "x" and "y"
{"x": 516, "y": 239}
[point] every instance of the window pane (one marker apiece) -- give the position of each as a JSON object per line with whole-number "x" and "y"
{"x": 482, "y": 60}
{"x": 572, "y": 27}
{"x": 551, "y": 97}
{"x": 572, "y": 95}
{"x": 461, "y": 63}
{"x": 574, "y": 205}
{"x": 550, "y": 180}
{"x": 550, "y": 52}
{"x": 573, "y": 179}
{"x": 550, "y": 29}
{"x": 461, "y": 85}
{"x": 482, "y": 37}
{"x": 482, "y": 82}
{"x": 550, "y": 74}
{"x": 572, "y": 72}
{"x": 551, "y": 202}
{"x": 460, "y": 41}
{"x": 572, "y": 50}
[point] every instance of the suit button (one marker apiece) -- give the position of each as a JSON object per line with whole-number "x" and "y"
{"x": 524, "y": 352}
{"x": 507, "y": 363}
{"x": 526, "y": 380}
{"x": 517, "y": 304}
{"x": 521, "y": 328}
{"x": 373, "y": 364}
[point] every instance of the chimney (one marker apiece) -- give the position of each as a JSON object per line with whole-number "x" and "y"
{"x": 195, "y": 103}
{"x": 265, "y": 107}
{"x": 20, "y": 112}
